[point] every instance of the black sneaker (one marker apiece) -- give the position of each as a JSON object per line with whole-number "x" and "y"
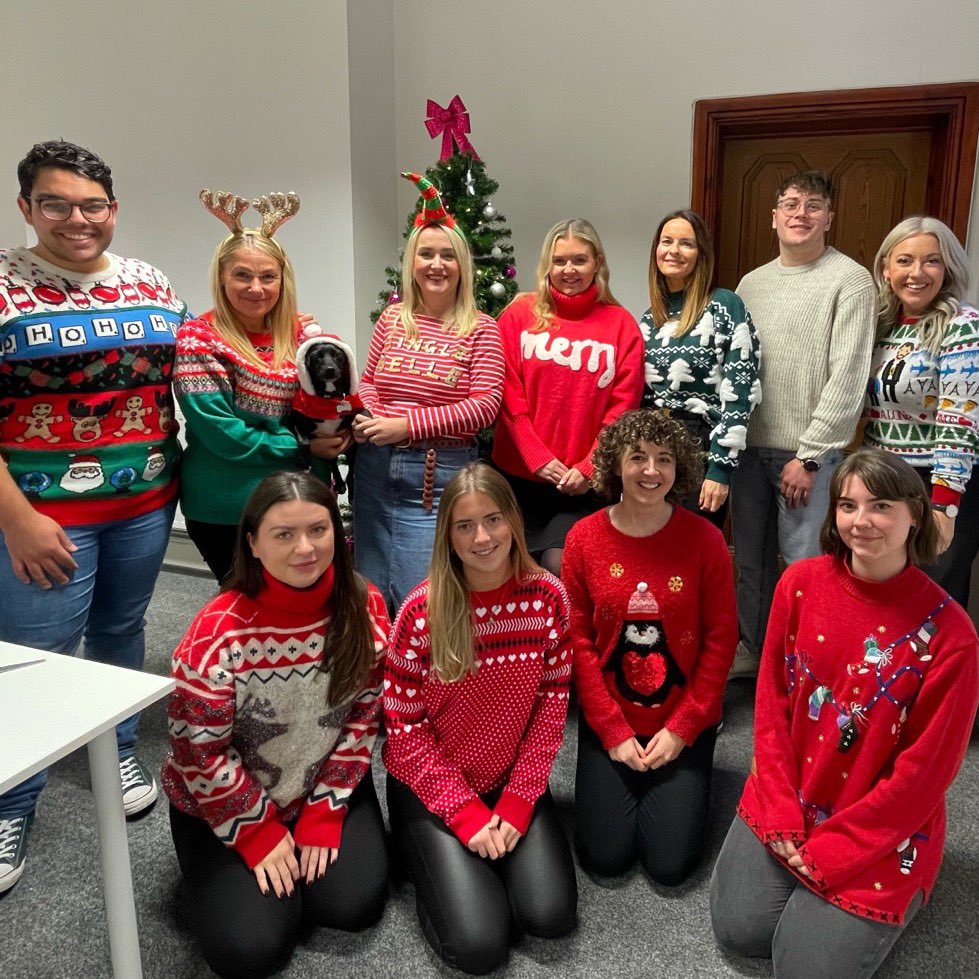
{"x": 139, "y": 789}
{"x": 13, "y": 849}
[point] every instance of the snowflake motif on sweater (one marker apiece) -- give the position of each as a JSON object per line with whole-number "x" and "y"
{"x": 499, "y": 726}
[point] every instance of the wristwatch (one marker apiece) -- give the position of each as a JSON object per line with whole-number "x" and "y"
{"x": 810, "y": 465}
{"x": 949, "y": 509}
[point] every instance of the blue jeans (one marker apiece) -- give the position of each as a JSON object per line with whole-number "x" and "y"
{"x": 393, "y": 532}
{"x": 104, "y": 602}
{"x": 763, "y": 527}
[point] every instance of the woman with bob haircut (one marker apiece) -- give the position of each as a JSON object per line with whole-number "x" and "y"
{"x": 234, "y": 379}
{"x": 271, "y": 731}
{"x": 866, "y": 695}
{"x": 573, "y": 365}
{"x": 701, "y": 354}
{"x": 475, "y": 698}
{"x": 654, "y": 627}
{"x": 433, "y": 379}
{"x": 923, "y": 397}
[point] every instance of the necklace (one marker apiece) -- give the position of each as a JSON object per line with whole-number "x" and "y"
{"x": 492, "y": 602}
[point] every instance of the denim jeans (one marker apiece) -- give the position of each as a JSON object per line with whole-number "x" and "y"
{"x": 393, "y": 532}
{"x": 763, "y": 527}
{"x": 104, "y": 603}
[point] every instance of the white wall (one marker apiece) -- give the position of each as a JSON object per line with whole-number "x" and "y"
{"x": 248, "y": 97}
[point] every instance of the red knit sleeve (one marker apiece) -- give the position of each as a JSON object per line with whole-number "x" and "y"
{"x": 321, "y": 821}
{"x": 201, "y": 722}
{"x": 480, "y": 408}
{"x": 626, "y": 388}
{"x": 545, "y": 726}
{"x": 927, "y": 757}
{"x": 602, "y": 714}
{"x": 700, "y": 703}
{"x": 516, "y": 409}
{"x": 412, "y": 752}
{"x": 366, "y": 388}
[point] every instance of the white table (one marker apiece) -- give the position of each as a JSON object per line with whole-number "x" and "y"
{"x": 49, "y": 709}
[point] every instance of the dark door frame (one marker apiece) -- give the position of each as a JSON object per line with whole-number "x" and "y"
{"x": 950, "y": 112}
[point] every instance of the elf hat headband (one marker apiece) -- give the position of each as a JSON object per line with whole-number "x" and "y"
{"x": 275, "y": 209}
{"x": 433, "y": 210}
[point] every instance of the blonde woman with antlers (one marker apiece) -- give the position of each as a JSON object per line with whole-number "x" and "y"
{"x": 235, "y": 376}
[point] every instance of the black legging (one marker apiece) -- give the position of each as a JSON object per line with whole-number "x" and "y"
{"x": 243, "y": 933}
{"x": 465, "y": 902}
{"x": 657, "y": 818}
{"x": 216, "y": 544}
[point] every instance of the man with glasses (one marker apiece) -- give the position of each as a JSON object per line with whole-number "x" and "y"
{"x": 86, "y": 344}
{"x": 813, "y": 309}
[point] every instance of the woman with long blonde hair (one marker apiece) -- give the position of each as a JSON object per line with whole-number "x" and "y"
{"x": 573, "y": 365}
{"x": 475, "y": 698}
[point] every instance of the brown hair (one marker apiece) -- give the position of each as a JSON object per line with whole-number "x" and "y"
{"x": 888, "y": 477}
{"x": 696, "y": 294}
{"x": 348, "y": 646}
{"x": 814, "y": 182}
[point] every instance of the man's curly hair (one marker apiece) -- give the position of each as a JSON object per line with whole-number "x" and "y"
{"x": 63, "y": 155}
{"x": 647, "y": 425}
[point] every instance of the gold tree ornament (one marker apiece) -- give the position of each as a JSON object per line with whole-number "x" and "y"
{"x": 227, "y": 208}
{"x": 276, "y": 209}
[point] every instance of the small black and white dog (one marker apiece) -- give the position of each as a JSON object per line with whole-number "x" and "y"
{"x": 327, "y": 400}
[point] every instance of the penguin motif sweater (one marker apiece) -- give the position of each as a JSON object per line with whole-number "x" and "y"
{"x": 498, "y": 727}
{"x": 865, "y": 703}
{"x": 253, "y": 744}
{"x": 654, "y": 625}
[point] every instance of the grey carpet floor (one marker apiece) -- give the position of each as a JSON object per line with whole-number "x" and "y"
{"x": 53, "y": 923}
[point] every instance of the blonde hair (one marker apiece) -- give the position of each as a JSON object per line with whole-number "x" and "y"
{"x": 450, "y": 616}
{"x": 696, "y": 294}
{"x": 462, "y": 321}
{"x": 280, "y": 320}
{"x": 544, "y": 306}
{"x": 946, "y": 305}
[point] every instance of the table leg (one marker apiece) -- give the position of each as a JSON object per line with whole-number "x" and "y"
{"x": 117, "y": 877}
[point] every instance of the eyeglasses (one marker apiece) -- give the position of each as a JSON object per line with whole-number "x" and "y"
{"x": 55, "y": 209}
{"x": 789, "y": 205}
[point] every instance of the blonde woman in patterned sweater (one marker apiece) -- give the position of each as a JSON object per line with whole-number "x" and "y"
{"x": 475, "y": 697}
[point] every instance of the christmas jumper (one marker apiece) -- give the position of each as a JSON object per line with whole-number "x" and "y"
{"x": 566, "y": 383}
{"x": 235, "y": 413}
{"x": 926, "y": 408}
{"x": 815, "y": 324}
{"x": 711, "y": 371}
{"x": 87, "y": 424}
{"x": 865, "y": 703}
{"x": 653, "y": 623}
{"x": 253, "y": 744}
{"x": 502, "y": 725}
{"x": 446, "y": 386}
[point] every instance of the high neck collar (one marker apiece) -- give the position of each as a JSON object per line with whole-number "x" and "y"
{"x": 574, "y": 307}
{"x": 894, "y": 591}
{"x": 674, "y": 302}
{"x": 277, "y": 594}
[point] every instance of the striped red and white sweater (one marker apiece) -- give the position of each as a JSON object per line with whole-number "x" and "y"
{"x": 502, "y": 725}
{"x": 253, "y": 745}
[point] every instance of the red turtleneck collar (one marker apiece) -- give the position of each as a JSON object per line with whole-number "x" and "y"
{"x": 894, "y": 592}
{"x": 284, "y": 598}
{"x": 574, "y": 307}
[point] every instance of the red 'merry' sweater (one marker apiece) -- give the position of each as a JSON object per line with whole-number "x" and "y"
{"x": 253, "y": 744}
{"x": 653, "y": 623}
{"x": 865, "y": 703}
{"x": 499, "y": 726}
{"x": 564, "y": 384}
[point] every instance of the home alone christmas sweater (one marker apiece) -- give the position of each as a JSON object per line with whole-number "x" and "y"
{"x": 500, "y": 726}
{"x": 566, "y": 383}
{"x": 653, "y": 623}
{"x": 711, "y": 371}
{"x": 235, "y": 412}
{"x": 925, "y": 408}
{"x": 865, "y": 702}
{"x": 253, "y": 744}
{"x": 87, "y": 424}
{"x": 446, "y": 386}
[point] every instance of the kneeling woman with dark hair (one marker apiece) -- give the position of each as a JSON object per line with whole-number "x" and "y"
{"x": 866, "y": 695}
{"x": 475, "y": 698}
{"x": 271, "y": 731}
{"x": 654, "y": 628}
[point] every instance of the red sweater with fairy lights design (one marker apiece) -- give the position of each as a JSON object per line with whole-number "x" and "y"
{"x": 865, "y": 703}
{"x": 564, "y": 384}
{"x": 502, "y": 725}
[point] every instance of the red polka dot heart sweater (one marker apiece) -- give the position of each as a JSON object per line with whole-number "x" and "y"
{"x": 502, "y": 725}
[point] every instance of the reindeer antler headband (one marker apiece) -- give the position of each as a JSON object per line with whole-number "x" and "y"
{"x": 275, "y": 209}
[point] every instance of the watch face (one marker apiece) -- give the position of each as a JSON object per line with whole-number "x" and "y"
{"x": 951, "y": 510}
